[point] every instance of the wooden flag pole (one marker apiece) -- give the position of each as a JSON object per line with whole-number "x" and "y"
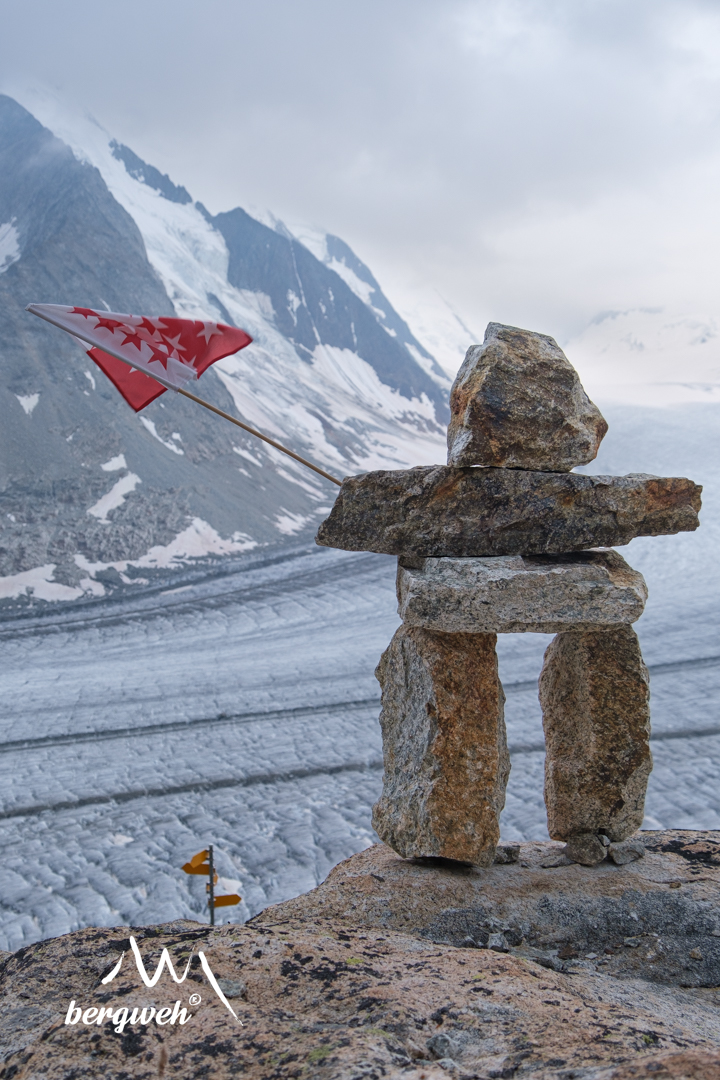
{"x": 257, "y": 434}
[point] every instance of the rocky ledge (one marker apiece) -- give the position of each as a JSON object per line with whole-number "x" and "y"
{"x": 416, "y": 969}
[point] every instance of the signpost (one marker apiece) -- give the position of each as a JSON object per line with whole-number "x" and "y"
{"x": 202, "y": 863}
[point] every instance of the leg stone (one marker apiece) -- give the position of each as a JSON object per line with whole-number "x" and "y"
{"x": 595, "y": 697}
{"x": 445, "y": 751}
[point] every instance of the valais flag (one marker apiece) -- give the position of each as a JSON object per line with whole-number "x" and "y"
{"x": 174, "y": 351}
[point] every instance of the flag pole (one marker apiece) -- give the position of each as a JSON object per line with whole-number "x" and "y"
{"x": 252, "y": 431}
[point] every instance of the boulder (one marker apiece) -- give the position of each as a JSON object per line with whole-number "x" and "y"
{"x": 639, "y": 921}
{"x": 517, "y": 403}
{"x": 595, "y": 697}
{"x": 439, "y": 510}
{"x": 626, "y": 851}
{"x": 586, "y": 849}
{"x": 509, "y": 594}
{"x": 444, "y": 746}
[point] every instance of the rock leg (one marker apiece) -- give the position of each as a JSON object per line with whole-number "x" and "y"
{"x": 595, "y": 697}
{"x": 445, "y": 751}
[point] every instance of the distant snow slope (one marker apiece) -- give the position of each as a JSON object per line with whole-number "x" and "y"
{"x": 426, "y": 322}
{"x": 649, "y": 357}
{"x": 435, "y": 322}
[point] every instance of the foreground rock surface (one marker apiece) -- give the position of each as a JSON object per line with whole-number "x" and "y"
{"x": 356, "y": 980}
{"x": 515, "y": 594}
{"x": 517, "y": 403}
{"x": 595, "y": 695}
{"x": 438, "y": 510}
{"x": 444, "y": 746}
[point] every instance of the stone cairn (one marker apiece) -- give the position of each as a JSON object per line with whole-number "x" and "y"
{"x": 506, "y": 539}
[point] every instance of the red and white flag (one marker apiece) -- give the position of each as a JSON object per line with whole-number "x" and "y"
{"x": 126, "y": 347}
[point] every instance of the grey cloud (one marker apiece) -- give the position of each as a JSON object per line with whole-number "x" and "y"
{"x": 474, "y": 144}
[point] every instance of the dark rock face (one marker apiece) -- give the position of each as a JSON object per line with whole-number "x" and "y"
{"x": 439, "y": 510}
{"x": 517, "y": 403}
{"x": 595, "y": 697}
{"x": 444, "y": 745}
{"x": 265, "y": 260}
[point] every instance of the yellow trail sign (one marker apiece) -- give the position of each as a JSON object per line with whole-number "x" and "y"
{"x": 197, "y": 865}
{"x": 227, "y": 901}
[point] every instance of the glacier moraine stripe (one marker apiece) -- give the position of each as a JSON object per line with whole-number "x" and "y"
{"x": 197, "y": 787}
{"x": 73, "y": 738}
{"x": 186, "y": 725}
{"x": 117, "y": 611}
{"x": 286, "y": 776}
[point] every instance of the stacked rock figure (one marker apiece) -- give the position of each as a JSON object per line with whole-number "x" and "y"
{"x": 506, "y": 539}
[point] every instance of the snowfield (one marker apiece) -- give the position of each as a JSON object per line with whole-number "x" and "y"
{"x": 239, "y": 707}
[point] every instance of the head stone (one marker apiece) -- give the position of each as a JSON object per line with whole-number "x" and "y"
{"x": 518, "y": 403}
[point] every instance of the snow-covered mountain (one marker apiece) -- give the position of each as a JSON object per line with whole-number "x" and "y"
{"x": 91, "y": 493}
{"x": 649, "y": 357}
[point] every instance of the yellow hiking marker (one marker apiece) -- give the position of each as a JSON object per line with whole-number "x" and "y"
{"x": 197, "y": 865}
{"x": 227, "y": 901}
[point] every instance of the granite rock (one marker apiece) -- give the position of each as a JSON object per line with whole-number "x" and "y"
{"x": 626, "y": 851}
{"x": 439, "y": 510}
{"x": 586, "y": 849}
{"x": 595, "y": 697}
{"x": 444, "y": 746}
{"x": 550, "y": 910}
{"x": 517, "y": 403}
{"x": 511, "y": 594}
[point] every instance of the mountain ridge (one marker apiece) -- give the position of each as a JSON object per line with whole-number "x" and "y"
{"x": 83, "y": 227}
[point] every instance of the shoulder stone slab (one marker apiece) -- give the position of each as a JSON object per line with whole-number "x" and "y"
{"x": 517, "y": 403}
{"x": 438, "y": 510}
{"x": 508, "y": 594}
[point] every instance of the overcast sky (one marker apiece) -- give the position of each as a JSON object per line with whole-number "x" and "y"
{"x": 535, "y": 161}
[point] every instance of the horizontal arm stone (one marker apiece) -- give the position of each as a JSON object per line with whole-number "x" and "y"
{"x": 440, "y": 510}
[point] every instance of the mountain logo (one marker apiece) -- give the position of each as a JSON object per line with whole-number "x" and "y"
{"x": 166, "y": 962}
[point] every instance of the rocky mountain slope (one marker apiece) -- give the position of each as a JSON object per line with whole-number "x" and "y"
{"x": 89, "y": 491}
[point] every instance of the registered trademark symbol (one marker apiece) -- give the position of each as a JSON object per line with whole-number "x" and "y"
{"x": 195, "y": 999}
